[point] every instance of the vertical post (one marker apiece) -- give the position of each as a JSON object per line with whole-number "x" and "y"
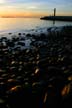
{"x": 54, "y": 12}
{"x": 54, "y": 16}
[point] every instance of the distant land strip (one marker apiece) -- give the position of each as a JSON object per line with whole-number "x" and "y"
{"x": 59, "y": 18}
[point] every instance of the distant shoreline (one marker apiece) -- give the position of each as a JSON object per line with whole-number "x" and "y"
{"x": 57, "y": 18}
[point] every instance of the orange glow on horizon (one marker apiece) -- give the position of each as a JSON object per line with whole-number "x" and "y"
{"x": 26, "y": 14}
{"x": 10, "y": 12}
{"x": 22, "y": 14}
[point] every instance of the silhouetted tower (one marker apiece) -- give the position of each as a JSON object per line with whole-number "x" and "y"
{"x": 54, "y": 12}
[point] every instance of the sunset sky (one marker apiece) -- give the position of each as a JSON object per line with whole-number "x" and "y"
{"x": 34, "y": 8}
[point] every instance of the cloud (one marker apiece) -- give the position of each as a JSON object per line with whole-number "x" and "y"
{"x": 32, "y": 7}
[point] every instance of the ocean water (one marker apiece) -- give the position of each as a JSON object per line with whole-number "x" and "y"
{"x": 26, "y": 24}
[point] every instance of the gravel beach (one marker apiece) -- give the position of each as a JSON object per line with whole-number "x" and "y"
{"x": 36, "y": 69}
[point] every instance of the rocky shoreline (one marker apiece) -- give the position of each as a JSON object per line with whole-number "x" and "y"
{"x": 36, "y": 69}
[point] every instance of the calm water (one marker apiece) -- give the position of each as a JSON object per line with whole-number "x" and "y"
{"x": 20, "y": 24}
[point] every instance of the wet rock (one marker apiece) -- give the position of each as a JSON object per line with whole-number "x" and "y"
{"x": 19, "y": 34}
{"x": 21, "y": 43}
